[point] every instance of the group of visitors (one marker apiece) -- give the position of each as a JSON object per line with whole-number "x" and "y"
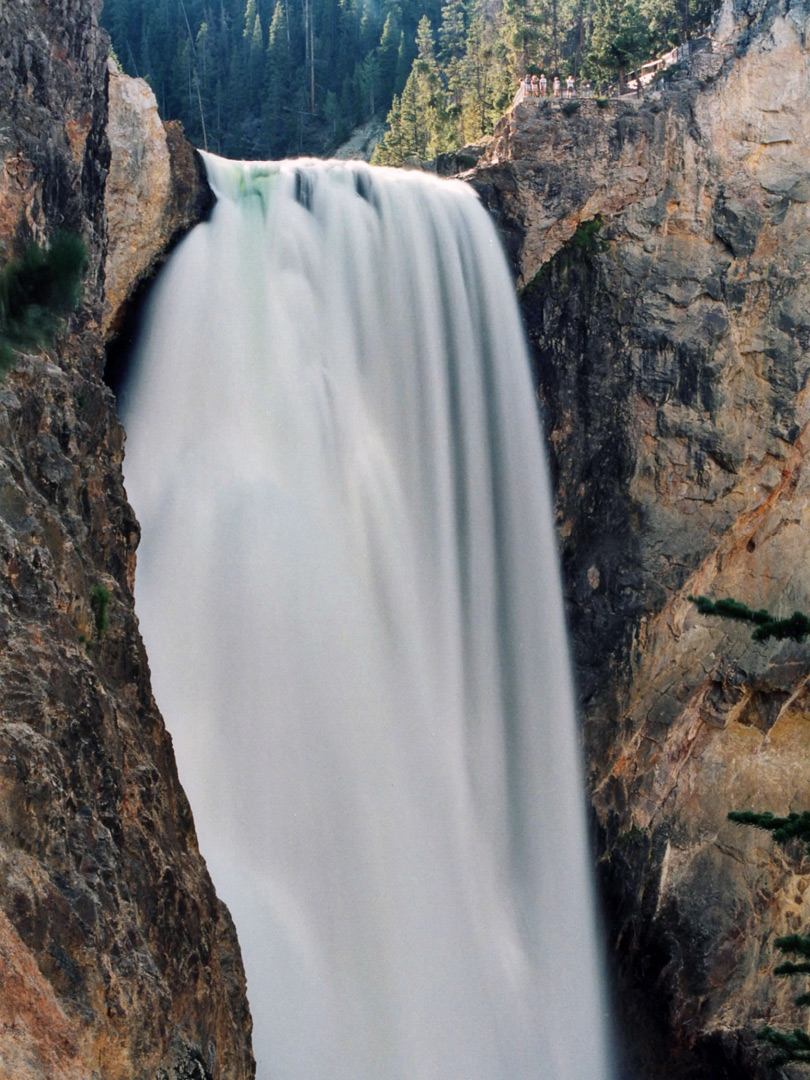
{"x": 537, "y": 86}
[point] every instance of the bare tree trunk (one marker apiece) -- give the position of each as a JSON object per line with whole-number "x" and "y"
{"x": 309, "y": 50}
{"x": 311, "y": 59}
{"x": 193, "y": 56}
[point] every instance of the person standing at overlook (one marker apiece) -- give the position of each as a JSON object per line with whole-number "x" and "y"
{"x": 569, "y": 84}
{"x": 543, "y": 84}
{"x": 556, "y": 86}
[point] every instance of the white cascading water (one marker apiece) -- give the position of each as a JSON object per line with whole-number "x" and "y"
{"x": 349, "y": 593}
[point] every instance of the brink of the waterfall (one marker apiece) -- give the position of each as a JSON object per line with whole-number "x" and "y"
{"x": 348, "y": 587}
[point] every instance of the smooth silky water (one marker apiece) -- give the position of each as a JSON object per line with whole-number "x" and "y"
{"x": 349, "y": 593}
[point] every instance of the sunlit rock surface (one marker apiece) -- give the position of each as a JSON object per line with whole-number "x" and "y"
{"x": 116, "y": 958}
{"x": 672, "y": 351}
{"x": 156, "y": 190}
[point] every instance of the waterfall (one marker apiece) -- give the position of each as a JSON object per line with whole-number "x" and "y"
{"x": 349, "y": 593}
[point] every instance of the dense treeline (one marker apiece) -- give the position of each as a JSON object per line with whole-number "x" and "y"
{"x": 266, "y": 78}
{"x": 270, "y": 78}
{"x": 463, "y": 78}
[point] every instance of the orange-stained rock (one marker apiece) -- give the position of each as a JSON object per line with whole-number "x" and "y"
{"x": 37, "y": 1042}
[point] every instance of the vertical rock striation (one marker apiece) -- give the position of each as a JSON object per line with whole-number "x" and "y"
{"x": 664, "y": 253}
{"x": 116, "y": 958}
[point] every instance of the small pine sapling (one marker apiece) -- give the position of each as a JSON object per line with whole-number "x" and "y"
{"x": 99, "y": 599}
{"x": 784, "y": 829}
{"x": 794, "y": 1046}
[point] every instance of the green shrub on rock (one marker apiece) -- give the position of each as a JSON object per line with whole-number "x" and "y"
{"x": 99, "y": 599}
{"x": 37, "y": 290}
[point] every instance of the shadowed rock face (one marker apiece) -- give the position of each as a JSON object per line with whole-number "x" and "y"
{"x": 116, "y": 958}
{"x": 672, "y": 349}
{"x": 53, "y": 150}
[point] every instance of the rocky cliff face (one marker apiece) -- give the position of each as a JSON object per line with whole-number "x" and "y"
{"x": 663, "y": 249}
{"x": 664, "y": 252}
{"x": 155, "y": 191}
{"x": 116, "y": 958}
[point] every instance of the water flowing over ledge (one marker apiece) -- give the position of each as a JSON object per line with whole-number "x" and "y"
{"x": 349, "y": 592}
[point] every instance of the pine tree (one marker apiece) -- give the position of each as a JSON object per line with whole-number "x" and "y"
{"x": 276, "y": 116}
{"x": 413, "y": 137}
{"x": 795, "y": 626}
{"x": 487, "y": 86}
{"x": 404, "y": 61}
{"x": 370, "y": 73}
{"x": 387, "y": 53}
{"x": 37, "y": 291}
{"x": 256, "y": 60}
{"x": 794, "y": 1046}
{"x": 250, "y": 19}
{"x": 389, "y": 150}
{"x": 452, "y": 41}
{"x": 333, "y": 116}
{"x": 517, "y": 35}
{"x": 665, "y": 21}
{"x": 620, "y": 39}
{"x": 784, "y": 829}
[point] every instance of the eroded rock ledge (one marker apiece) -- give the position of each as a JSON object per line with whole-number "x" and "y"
{"x": 672, "y": 347}
{"x": 156, "y": 190}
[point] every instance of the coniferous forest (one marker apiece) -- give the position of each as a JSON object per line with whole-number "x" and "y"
{"x": 277, "y": 78}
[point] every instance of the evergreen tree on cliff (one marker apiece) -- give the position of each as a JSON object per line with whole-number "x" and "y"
{"x": 621, "y": 38}
{"x": 418, "y": 120}
{"x": 277, "y": 111}
{"x": 792, "y": 1046}
{"x": 252, "y": 79}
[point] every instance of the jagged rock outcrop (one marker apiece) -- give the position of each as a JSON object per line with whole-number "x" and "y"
{"x": 116, "y": 958}
{"x": 156, "y": 190}
{"x": 672, "y": 342}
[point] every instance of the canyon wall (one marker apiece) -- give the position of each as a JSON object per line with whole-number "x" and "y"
{"x": 116, "y": 958}
{"x": 663, "y": 253}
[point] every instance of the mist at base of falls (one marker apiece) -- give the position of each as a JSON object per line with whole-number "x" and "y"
{"x": 349, "y": 593}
